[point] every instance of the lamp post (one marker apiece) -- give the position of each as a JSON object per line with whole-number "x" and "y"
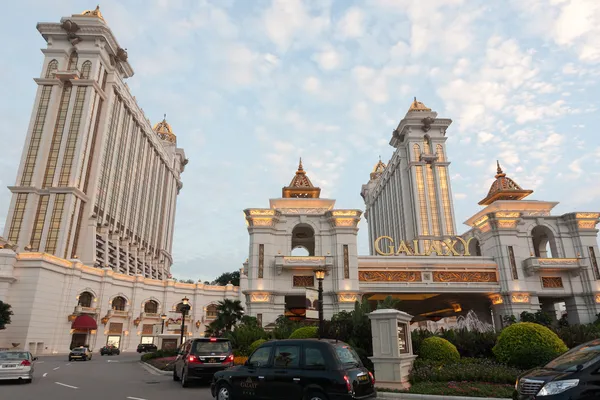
{"x": 185, "y": 307}
{"x": 163, "y": 317}
{"x": 320, "y": 274}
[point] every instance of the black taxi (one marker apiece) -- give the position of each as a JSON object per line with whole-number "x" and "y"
{"x": 296, "y": 370}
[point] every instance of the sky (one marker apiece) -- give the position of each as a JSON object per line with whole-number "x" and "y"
{"x": 249, "y": 86}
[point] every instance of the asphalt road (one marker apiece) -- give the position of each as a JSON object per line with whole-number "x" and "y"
{"x": 119, "y": 377}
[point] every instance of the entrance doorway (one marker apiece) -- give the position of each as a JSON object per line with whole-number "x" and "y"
{"x": 78, "y": 340}
{"x": 114, "y": 340}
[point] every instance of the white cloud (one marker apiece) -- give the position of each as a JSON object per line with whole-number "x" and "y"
{"x": 328, "y": 59}
{"x": 312, "y": 84}
{"x": 352, "y": 23}
{"x": 484, "y": 137}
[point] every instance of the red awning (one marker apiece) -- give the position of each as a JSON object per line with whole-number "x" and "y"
{"x": 84, "y": 322}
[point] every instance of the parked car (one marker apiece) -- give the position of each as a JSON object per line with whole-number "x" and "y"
{"x": 199, "y": 359}
{"x": 80, "y": 353}
{"x": 575, "y": 375}
{"x": 17, "y": 365}
{"x": 109, "y": 351}
{"x": 297, "y": 369}
{"x": 146, "y": 348}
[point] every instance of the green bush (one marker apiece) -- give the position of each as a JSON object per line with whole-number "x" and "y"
{"x": 159, "y": 354}
{"x": 574, "y": 335}
{"x": 464, "y": 370}
{"x": 472, "y": 343}
{"x": 528, "y": 345}
{"x": 255, "y": 345}
{"x": 243, "y": 336}
{"x": 417, "y": 338}
{"x": 438, "y": 350}
{"x": 304, "y": 333}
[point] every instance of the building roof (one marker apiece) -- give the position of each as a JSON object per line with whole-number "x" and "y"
{"x": 504, "y": 188}
{"x": 164, "y": 131}
{"x": 418, "y": 106}
{"x": 93, "y": 13}
{"x": 301, "y": 186}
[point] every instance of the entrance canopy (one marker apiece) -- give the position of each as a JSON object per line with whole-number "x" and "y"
{"x": 84, "y": 322}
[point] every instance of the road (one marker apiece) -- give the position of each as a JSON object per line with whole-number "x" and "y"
{"x": 110, "y": 377}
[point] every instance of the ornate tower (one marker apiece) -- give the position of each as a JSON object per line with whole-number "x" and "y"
{"x": 410, "y": 198}
{"x": 298, "y": 234}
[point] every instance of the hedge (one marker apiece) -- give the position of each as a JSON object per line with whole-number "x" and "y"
{"x": 307, "y": 332}
{"x": 440, "y": 350}
{"x": 255, "y": 345}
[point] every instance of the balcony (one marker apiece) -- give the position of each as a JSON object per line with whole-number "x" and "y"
{"x": 85, "y": 310}
{"x": 533, "y": 265}
{"x": 302, "y": 263}
{"x": 118, "y": 313}
{"x": 147, "y": 315}
{"x": 67, "y": 75}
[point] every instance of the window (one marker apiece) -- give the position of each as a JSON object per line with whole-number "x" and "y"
{"x": 73, "y": 61}
{"x": 85, "y": 299}
{"x": 260, "y": 357}
{"x": 36, "y": 135}
{"x": 52, "y": 68}
{"x": 119, "y": 303}
{"x": 151, "y": 307}
{"x": 583, "y": 355}
{"x": 287, "y": 357}
{"x": 313, "y": 358}
{"x": 72, "y": 137}
{"x": 211, "y": 312}
{"x": 203, "y": 348}
{"x": 347, "y": 355}
{"x": 17, "y": 219}
{"x": 55, "y": 221}
{"x": 86, "y": 69}
{"x": 38, "y": 224}
{"x": 57, "y": 136}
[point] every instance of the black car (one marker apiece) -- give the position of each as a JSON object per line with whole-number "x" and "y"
{"x": 146, "y": 348}
{"x": 574, "y": 375}
{"x": 80, "y": 353}
{"x": 297, "y": 369}
{"x": 199, "y": 359}
{"x": 109, "y": 351}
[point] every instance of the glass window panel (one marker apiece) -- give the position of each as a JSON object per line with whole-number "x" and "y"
{"x": 287, "y": 357}
{"x": 36, "y": 135}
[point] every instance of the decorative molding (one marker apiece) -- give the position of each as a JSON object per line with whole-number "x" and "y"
{"x": 558, "y": 261}
{"x": 345, "y": 222}
{"x": 587, "y": 215}
{"x": 536, "y": 213}
{"x": 346, "y": 263}
{"x": 303, "y": 260}
{"x": 507, "y": 214}
{"x": 389, "y": 276}
{"x": 263, "y": 297}
{"x": 448, "y": 276}
{"x": 347, "y": 297}
{"x": 496, "y": 299}
{"x": 345, "y": 213}
{"x": 587, "y": 224}
{"x": 262, "y": 221}
{"x": 261, "y": 260}
{"x": 507, "y": 224}
{"x": 552, "y": 282}
{"x": 262, "y": 212}
{"x": 311, "y": 211}
{"x": 303, "y": 281}
{"x": 513, "y": 263}
{"x": 520, "y": 298}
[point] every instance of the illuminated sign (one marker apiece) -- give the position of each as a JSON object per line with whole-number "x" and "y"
{"x": 445, "y": 247}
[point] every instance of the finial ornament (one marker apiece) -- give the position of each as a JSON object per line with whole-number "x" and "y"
{"x": 165, "y": 117}
{"x": 499, "y": 172}
{"x": 300, "y": 168}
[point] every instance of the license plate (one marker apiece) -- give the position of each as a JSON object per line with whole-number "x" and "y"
{"x": 9, "y": 366}
{"x": 363, "y": 378}
{"x": 213, "y": 360}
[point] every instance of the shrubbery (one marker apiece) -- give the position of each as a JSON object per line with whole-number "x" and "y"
{"x": 159, "y": 354}
{"x": 255, "y": 345}
{"x": 306, "y": 332}
{"x": 438, "y": 350}
{"x": 466, "y": 369}
{"x": 528, "y": 345}
{"x": 575, "y": 335}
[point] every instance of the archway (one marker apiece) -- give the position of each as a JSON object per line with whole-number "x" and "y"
{"x": 85, "y": 299}
{"x": 119, "y": 303}
{"x": 474, "y": 247}
{"x": 544, "y": 245}
{"x": 303, "y": 236}
{"x": 151, "y": 307}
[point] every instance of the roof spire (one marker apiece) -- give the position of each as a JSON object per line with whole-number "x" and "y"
{"x": 301, "y": 186}
{"x": 504, "y": 188}
{"x": 165, "y": 117}
{"x": 499, "y": 172}
{"x": 300, "y": 168}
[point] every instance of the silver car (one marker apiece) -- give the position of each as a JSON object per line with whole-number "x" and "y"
{"x": 17, "y": 365}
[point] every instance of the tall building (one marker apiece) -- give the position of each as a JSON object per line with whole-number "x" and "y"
{"x": 410, "y": 198}
{"x": 96, "y": 182}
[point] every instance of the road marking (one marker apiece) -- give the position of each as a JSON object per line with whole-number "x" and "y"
{"x": 40, "y": 362}
{"x": 112, "y": 361}
{"x": 45, "y": 374}
{"x": 135, "y": 398}
{"x": 56, "y": 368}
{"x": 69, "y": 386}
{"x": 68, "y": 364}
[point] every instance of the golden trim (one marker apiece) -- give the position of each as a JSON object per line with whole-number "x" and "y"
{"x": 345, "y": 222}
{"x": 587, "y": 215}
{"x": 507, "y": 214}
{"x": 347, "y": 297}
{"x": 496, "y": 299}
{"x": 458, "y": 277}
{"x": 262, "y": 297}
{"x": 520, "y": 298}
{"x": 558, "y": 261}
{"x": 597, "y": 298}
{"x": 587, "y": 224}
{"x": 481, "y": 220}
{"x": 503, "y": 223}
{"x": 262, "y": 221}
{"x": 389, "y": 276}
{"x": 342, "y": 213}
{"x": 552, "y": 282}
{"x": 262, "y": 212}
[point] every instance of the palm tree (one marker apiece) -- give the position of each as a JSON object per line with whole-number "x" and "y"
{"x": 5, "y": 314}
{"x": 229, "y": 312}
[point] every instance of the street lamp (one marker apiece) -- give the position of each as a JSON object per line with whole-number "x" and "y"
{"x": 163, "y": 317}
{"x": 320, "y": 275}
{"x": 185, "y": 307}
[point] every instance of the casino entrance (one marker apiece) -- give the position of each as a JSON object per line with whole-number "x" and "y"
{"x": 437, "y": 306}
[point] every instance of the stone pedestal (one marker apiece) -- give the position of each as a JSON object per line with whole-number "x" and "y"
{"x": 392, "y": 348}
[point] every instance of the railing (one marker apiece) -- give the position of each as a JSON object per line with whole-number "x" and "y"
{"x": 85, "y": 310}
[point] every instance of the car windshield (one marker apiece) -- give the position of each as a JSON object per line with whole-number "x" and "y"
{"x": 13, "y": 355}
{"x": 201, "y": 347}
{"x": 347, "y": 355}
{"x": 80, "y": 350}
{"x": 580, "y": 357}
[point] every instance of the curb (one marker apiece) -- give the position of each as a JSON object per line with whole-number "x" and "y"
{"x": 413, "y": 396}
{"x": 154, "y": 370}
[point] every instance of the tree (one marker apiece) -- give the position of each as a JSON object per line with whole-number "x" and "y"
{"x": 225, "y": 278}
{"x": 5, "y": 313}
{"x": 388, "y": 303}
{"x": 229, "y": 312}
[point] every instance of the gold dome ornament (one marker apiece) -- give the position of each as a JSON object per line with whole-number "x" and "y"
{"x": 164, "y": 131}
{"x": 504, "y": 188}
{"x": 93, "y": 13}
{"x": 418, "y": 106}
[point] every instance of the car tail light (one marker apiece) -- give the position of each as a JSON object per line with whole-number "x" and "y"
{"x": 372, "y": 377}
{"x": 26, "y": 363}
{"x": 348, "y": 384}
{"x": 194, "y": 360}
{"x": 229, "y": 359}
{"x": 212, "y": 339}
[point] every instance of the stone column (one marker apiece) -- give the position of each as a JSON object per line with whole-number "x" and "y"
{"x": 392, "y": 348}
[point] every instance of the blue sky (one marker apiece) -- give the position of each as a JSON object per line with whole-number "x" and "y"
{"x": 250, "y": 86}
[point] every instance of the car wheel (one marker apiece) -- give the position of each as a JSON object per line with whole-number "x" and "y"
{"x": 223, "y": 392}
{"x": 70, "y": 359}
{"x": 175, "y": 377}
{"x": 315, "y": 395}
{"x": 184, "y": 380}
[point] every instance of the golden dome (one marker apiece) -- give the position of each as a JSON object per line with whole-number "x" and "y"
{"x": 301, "y": 186}
{"x": 504, "y": 188}
{"x": 93, "y": 13}
{"x": 164, "y": 131}
{"x": 418, "y": 106}
{"x": 378, "y": 169}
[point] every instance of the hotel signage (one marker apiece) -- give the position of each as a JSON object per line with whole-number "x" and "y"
{"x": 385, "y": 246}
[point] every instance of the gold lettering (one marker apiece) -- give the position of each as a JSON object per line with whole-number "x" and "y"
{"x": 450, "y": 247}
{"x": 403, "y": 248}
{"x": 465, "y": 244}
{"x": 434, "y": 247}
{"x": 378, "y": 249}
{"x": 416, "y": 248}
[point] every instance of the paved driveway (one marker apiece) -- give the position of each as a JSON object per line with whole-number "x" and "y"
{"x": 109, "y": 377}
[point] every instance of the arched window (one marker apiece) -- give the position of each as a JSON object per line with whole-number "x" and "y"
{"x": 426, "y": 145}
{"x": 417, "y": 152}
{"x": 211, "y": 311}
{"x": 303, "y": 236}
{"x": 439, "y": 151}
{"x": 52, "y": 68}
{"x": 474, "y": 248}
{"x": 86, "y": 69}
{"x": 73, "y": 61}
{"x": 151, "y": 307}
{"x": 118, "y": 303}
{"x": 85, "y": 299}
{"x": 300, "y": 251}
{"x": 544, "y": 245}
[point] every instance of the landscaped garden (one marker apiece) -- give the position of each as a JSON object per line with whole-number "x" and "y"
{"x": 462, "y": 362}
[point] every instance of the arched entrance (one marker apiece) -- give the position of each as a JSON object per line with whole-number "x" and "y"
{"x": 81, "y": 329}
